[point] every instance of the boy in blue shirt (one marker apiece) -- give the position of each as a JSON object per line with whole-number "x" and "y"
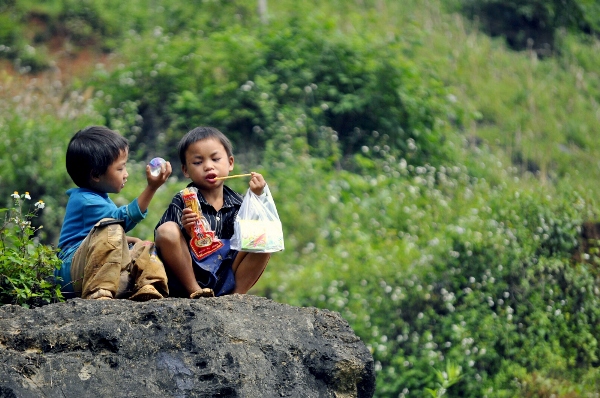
{"x": 99, "y": 260}
{"x": 205, "y": 154}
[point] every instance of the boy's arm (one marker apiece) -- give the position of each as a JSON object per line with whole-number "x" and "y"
{"x": 145, "y": 198}
{"x": 153, "y": 184}
{"x": 132, "y": 239}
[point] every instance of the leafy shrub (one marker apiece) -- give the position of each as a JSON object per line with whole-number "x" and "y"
{"x": 532, "y": 23}
{"x": 15, "y": 47}
{"x": 433, "y": 266}
{"x": 27, "y": 27}
{"x": 34, "y": 132}
{"x": 436, "y": 253}
{"x": 257, "y": 84}
{"x": 26, "y": 266}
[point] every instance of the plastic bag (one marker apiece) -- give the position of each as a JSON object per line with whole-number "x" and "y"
{"x": 257, "y": 226}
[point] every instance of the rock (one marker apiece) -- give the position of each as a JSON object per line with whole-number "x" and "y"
{"x": 231, "y": 346}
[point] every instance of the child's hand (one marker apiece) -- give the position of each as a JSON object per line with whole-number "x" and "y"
{"x": 133, "y": 239}
{"x": 188, "y": 220}
{"x": 156, "y": 182}
{"x": 257, "y": 183}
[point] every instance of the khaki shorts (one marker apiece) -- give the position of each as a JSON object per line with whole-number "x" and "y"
{"x": 104, "y": 260}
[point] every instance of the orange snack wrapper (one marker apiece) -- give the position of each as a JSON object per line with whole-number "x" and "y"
{"x": 203, "y": 242}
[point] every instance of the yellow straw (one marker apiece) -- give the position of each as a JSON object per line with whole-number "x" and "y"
{"x": 235, "y": 176}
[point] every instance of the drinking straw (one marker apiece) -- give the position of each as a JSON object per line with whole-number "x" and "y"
{"x": 234, "y": 176}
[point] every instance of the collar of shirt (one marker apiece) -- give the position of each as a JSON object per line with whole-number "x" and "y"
{"x": 230, "y": 197}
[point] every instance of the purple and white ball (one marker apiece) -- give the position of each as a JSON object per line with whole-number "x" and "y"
{"x": 155, "y": 166}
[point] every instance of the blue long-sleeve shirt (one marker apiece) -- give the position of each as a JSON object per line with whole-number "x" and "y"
{"x": 84, "y": 209}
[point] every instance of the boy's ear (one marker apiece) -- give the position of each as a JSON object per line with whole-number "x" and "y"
{"x": 231, "y": 163}
{"x": 94, "y": 176}
{"x": 184, "y": 170}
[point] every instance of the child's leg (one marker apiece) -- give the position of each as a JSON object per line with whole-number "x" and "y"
{"x": 247, "y": 268}
{"x": 147, "y": 270}
{"x": 175, "y": 254}
{"x": 98, "y": 262}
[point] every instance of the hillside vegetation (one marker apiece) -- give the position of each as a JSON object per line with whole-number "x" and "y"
{"x": 434, "y": 176}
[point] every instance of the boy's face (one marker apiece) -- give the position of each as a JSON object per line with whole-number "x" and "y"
{"x": 204, "y": 161}
{"x": 115, "y": 177}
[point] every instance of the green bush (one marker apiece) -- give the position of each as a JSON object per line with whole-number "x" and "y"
{"x": 26, "y": 266}
{"x": 27, "y": 27}
{"x": 256, "y": 84}
{"x": 434, "y": 266}
{"x": 14, "y": 46}
{"x": 415, "y": 226}
{"x": 532, "y": 23}
{"x": 34, "y": 132}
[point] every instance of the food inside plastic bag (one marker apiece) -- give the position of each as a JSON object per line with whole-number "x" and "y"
{"x": 203, "y": 242}
{"x": 257, "y": 226}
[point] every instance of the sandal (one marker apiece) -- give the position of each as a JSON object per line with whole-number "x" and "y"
{"x": 145, "y": 293}
{"x": 100, "y": 294}
{"x": 203, "y": 292}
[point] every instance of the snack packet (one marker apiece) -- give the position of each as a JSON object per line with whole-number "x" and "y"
{"x": 203, "y": 242}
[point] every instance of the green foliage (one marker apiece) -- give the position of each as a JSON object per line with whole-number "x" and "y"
{"x": 27, "y": 27}
{"x": 34, "y": 132}
{"x": 352, "y": 94}
{"x": 446, "y": 379}
{"x": 441, "y": 266}
{"x": 26, "y": 266}
{"x": 532, "y": 23}
{"x": 538, "y": 113}
{"x": 431, "y": 183}
{"x": 14, "y": 46}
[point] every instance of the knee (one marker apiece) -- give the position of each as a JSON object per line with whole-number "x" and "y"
{"x": 168, "y": 232}
{"x": 110, "y": 221}
{"x": 108, "y": 230}
{"x": 109, "y": 224}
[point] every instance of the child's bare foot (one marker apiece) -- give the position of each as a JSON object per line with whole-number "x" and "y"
{"x": 205, "y": 292}
{"x": 145, "y": 293}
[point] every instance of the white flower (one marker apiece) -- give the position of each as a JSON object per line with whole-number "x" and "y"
{"x": 15, "y": 195}
{"x": 27, "y": 196}
{"x": 40, "y": 204}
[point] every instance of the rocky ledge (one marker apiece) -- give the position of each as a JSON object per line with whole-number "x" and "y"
{"x": 232, "y": 346}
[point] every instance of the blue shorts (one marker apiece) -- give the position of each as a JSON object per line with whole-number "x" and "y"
{"x": 213, "y": 271}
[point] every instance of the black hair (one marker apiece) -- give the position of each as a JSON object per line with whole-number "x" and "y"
{"x": 91, "y": 151}
{"x": 199, "y": 134}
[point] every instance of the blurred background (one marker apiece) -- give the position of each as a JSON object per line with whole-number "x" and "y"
{"x": 434, "y": 162}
